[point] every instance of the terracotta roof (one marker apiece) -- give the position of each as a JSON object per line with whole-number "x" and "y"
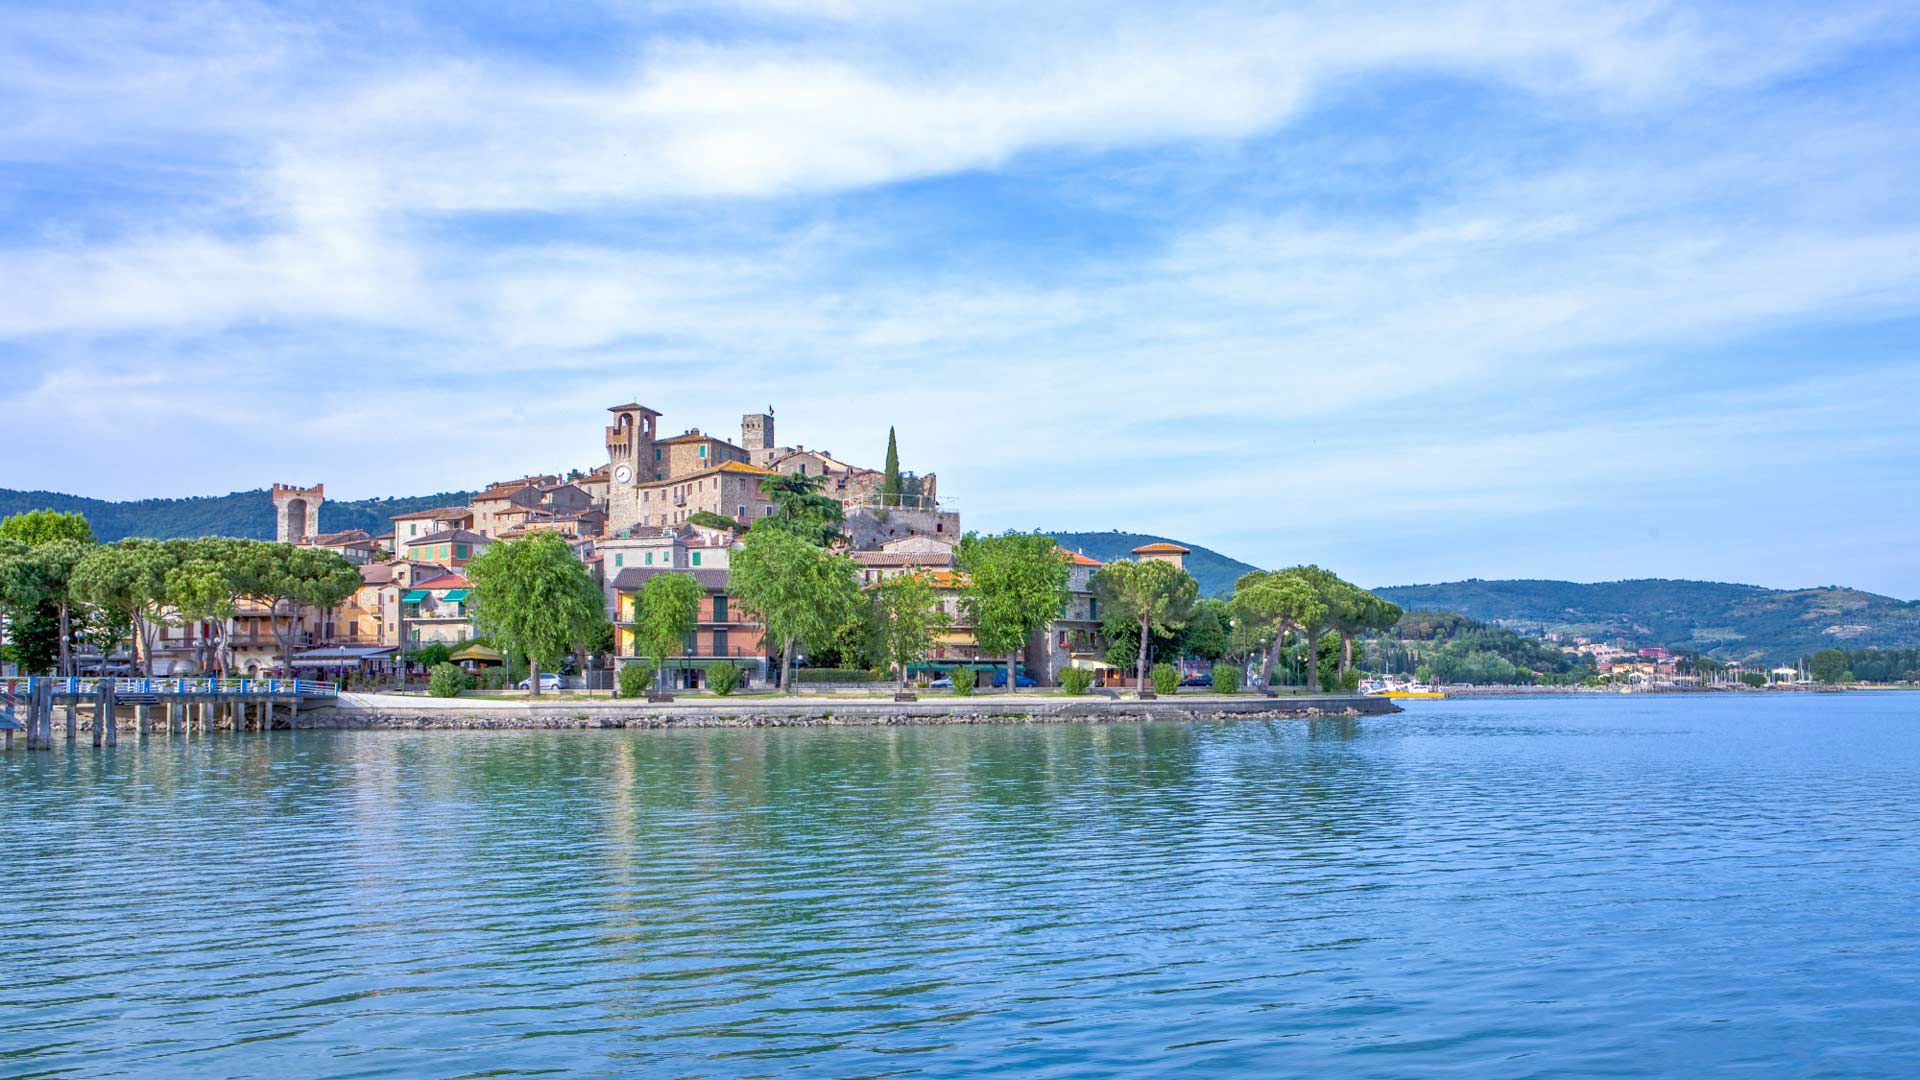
{"x": 445, "y": 581}
{"x": 742, "y": 467}
{"x": 693, "y": 437}
{"x": 342, "y": 539}
{"x": 633, "y": 406}
{"x": 635, "y": 576}
{"x": 1162, "y": 548}
{"x": 901, "y": 558}
{"x": 442, "y": 513}
{"x": 454, "y": 536}
{"x": 1078, "y": 559}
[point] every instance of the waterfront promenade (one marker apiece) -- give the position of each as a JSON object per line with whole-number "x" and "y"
{"x": 360, "y": 711}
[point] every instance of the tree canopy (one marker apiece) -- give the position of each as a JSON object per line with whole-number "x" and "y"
{"x": 904, "y": 613}
{"x": 665, "y": 614}
{"x": 802, "y": 510}
{"x": 1016, "y": 583}
{"x": 1157, "y": 596}
{"x": 802, "y": 594}
{"x": 533, "y": 598}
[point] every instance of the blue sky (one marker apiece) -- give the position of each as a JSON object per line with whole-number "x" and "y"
{"x": 1416, "y": 292}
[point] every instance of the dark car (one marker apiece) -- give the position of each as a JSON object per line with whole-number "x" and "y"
{"x": 1020, "y": 681}
{"x": 1204, "y": 678}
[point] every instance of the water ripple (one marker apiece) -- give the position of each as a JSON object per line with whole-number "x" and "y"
{"x": 1537, "y": 888}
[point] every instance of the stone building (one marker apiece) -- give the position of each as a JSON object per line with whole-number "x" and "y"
{"x": 296, "y": 512}
{"x": 426, "y": 522}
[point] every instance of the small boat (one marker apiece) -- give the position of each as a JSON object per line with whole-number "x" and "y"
{"x": 1401, "y": 691}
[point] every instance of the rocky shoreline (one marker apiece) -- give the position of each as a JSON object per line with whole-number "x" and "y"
{"x": 389, "y": 712}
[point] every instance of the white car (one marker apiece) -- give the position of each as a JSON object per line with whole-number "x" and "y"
{"x": 548, "y": 681}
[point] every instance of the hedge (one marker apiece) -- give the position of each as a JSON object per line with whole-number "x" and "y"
{"x": 827, "y": 674}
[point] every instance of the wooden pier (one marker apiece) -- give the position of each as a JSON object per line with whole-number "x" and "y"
{"x": 28, "y": 705}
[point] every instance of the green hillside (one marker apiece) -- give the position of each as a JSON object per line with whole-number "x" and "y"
{"x": 1733, "y": 622}
{"x": 1215, "y": 572}
{"x": 247, "y": 514}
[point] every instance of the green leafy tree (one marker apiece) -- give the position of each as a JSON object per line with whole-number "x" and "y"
{"x": 431, "y": 654}
{"x": 288, "y": 581}
{"x": 800, "y": 508}
{"x": 1829, "y": 666}
{"x": 1209, "y": 634}
{"x": 802, "y": 594}
{"x": 533, "y": 598}
{"x": 905, "y": 613}
{"x": 1156, "y": 596}
{"x": 1016, "y": 584}
{"x": 890, "y": 490}
{"x": 129, "y": 578}
{"x": 1753, "y": 679}
{"x": 714, "y": 521}
{"x": 54, "y": 544}
{"x": 666, "y": 613}
{"x": 1277, "y": 603}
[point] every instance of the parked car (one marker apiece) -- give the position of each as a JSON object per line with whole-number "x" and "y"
{"x": 1000, "y": 679}
{"x": 944, "y": 682}
{"x": 1204, "y": 678}
{"x": 548, "y": 681}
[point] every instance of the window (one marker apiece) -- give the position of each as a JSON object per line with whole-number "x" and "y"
{"x": 413, "y": 530}
{"x": 1093, "y": 608}
{"x": 703, "y": 450}
{"x": 720, "y": 608}
{"x": 656, "y": 453}
{"x": 719, "y": 643}
{"x": 618, "y": 559}
{"x": 696, "y": 558}
{"x": 460, "y": 551}
{"x": 649, "y": 558}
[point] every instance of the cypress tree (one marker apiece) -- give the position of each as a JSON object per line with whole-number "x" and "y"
{"x": 890, "y": 482}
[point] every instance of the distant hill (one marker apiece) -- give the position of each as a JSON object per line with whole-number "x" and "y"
{"x": 1215, "y": 572}
{"x": 1733, "y": 622}
{"x": 246, "y": 514}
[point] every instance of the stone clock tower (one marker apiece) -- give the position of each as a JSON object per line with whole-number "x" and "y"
{"x": 630, "y": 455}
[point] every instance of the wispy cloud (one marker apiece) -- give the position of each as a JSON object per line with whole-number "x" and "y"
{"x": 1205, "y": 270}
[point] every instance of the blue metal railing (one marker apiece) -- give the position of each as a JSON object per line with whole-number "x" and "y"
{"x": 176, "y": 687}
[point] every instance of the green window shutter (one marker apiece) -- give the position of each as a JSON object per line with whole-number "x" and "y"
{"x": 696, "y": 558}
{"x": 617, "y": 557}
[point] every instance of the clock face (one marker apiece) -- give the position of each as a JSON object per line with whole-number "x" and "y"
{"x": 623, "y": 474}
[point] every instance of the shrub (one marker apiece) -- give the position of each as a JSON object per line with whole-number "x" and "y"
{"x": 723, "y": 678}
{"x": 1226, "y": 679}
{"x": 493, "y": 679}
{"x": 1076, "y": 680}
{"x": 1753, "y": 678}
{"x": 1166, "y": 678}
{"x": 828, "y": 675}
{"x": 1351, "y": 682}
{"x": 446, "y": 680}
{"x": 964, "y": 679}
{"x": 634, "y": 679}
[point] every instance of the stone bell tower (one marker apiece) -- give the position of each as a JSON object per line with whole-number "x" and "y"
{"x": 630, "y": 458}
{"x": 296, "y": 512}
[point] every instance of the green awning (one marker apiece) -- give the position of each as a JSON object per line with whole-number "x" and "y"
{"x": 455, "y": 596}
{"x": 414, "y": 597}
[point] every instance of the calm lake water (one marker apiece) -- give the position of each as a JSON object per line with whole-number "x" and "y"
{"x": 1550, "y": 887}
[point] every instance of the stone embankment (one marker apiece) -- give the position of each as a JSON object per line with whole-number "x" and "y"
{"x": 375, "y": 711}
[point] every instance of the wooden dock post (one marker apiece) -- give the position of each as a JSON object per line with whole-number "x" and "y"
{"x": 73, "y": 715}
{"x": 110, "y": 708}
{"x": 100, "y": 692}
{"x": 42, "y": 715}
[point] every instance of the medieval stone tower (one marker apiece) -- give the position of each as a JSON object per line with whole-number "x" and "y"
{"x": 630, "y": 455}
{"x": 296, "y": 512}
{"x": 756, "y": 433}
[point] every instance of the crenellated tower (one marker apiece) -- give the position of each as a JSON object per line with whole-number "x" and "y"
{"x": 296, "y": 512}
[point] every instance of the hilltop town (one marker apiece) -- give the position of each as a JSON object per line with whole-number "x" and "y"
{"x": 659, "y": 504}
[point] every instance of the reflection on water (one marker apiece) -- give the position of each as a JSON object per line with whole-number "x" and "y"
{"x": 1527, "y": 888}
